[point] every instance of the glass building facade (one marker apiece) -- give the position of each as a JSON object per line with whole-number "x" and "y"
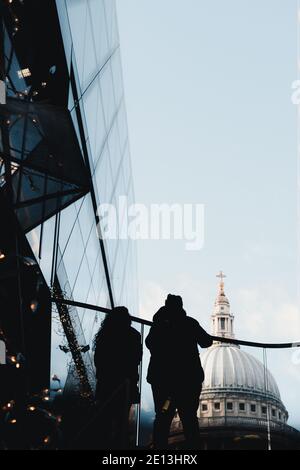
{"x": 63, "y": 151}
{"x": 67, "y": 144}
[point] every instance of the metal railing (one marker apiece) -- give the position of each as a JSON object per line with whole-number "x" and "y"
{"x": 142, "y": 321}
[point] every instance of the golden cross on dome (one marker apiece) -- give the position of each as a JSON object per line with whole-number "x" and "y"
{"x": 221, "y": 275}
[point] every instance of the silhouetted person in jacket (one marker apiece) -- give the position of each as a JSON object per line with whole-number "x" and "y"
{"x": 175, "y": 372}
{"x": 118, "y": 352}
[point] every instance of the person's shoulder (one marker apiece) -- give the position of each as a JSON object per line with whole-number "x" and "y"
{"x": 134, "y": 333}
{"x": 159, "y": 315}
{"x": 192, "y": 321}
{"x": 195, "y": 326}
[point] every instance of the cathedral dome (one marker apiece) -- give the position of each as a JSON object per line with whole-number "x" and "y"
{"x": 228, "y": 368}
{"x": 236, "y": 384}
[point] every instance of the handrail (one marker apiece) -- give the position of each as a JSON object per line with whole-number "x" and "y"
{"x": 149, "y": 323}
{"x": 256, "y": 344}
{"x": 74, "y": 303}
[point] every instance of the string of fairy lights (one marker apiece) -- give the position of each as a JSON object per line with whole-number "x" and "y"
{"x": 74, "y": 347}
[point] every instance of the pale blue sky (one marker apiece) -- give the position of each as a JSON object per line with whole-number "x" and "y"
{"x": 208, "y": 93}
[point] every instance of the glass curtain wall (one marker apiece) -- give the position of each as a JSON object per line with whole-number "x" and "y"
{"x": 90, "y": 271}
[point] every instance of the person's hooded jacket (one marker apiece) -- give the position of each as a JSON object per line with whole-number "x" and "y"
{"x": 173, "y": 342}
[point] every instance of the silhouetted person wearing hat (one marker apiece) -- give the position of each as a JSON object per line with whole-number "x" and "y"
{"x": 118, "y": 352}
{"x": 175, "y": 372}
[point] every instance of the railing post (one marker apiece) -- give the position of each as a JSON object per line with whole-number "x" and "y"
{"x": 138, "y": 421}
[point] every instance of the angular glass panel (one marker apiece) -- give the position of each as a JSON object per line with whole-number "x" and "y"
{"x": 77, "y": 12}
{"x": 111, "y": 21}
{"x": 94, "y": 118}
{"x": 117, "y": 76}
{"x": 127, "y": 165}
{"x": 103, "y": 178}
{"x": 73, "y": 254}
{"x": 114, "y": 150}
{"x": 108, "y": 99}
{"x": 33, "y": 238}
{"x": 47, "y": 248}
{"x": 90, "y": 66}
{"x": 99, "y": 283}
{"x": 82, "y": 281}
{"x": 122, "y": 125}
{"x": 86, "y": 217}
{"x": 67, "y": 222}
{"x": 92, "y": 248}
{"x": 97, "y": 13}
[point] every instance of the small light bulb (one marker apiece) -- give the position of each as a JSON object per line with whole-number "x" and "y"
{"x": 13, "y": 359}
{"x": 46, "y": 440}
{"x": 13, "y": 421}
{"x": 2, "y": 255}
{"x": 33, "y": 305}
{"x": 31, "y": 408}
{"x": 18, "y": 365}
